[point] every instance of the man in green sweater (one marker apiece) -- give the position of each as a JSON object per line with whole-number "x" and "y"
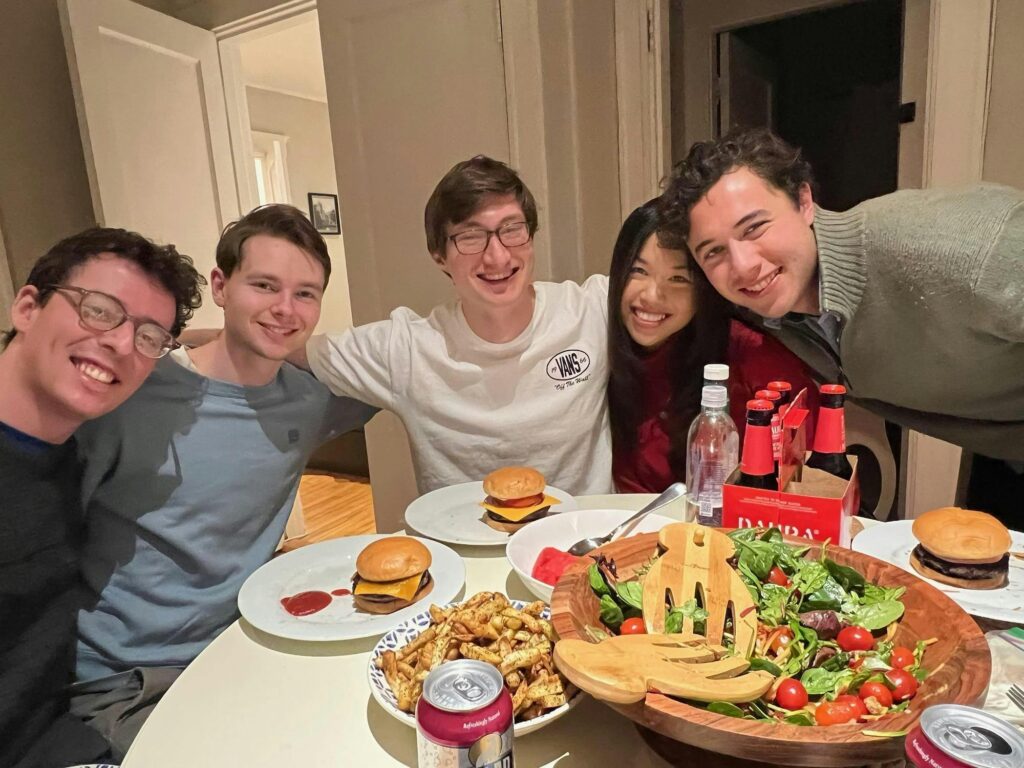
{"x": 913, "y": 300}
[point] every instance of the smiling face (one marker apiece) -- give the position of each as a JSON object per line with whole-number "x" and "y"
{"x": 658, "y": 299}
{"x": 498, "y": 279}
{"x": 756, "y": 246}
{"x": 271, "y": 301}
{"x": 77, "y": 373}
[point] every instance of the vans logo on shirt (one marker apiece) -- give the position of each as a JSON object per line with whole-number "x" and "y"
{"x": 568, "y": 364}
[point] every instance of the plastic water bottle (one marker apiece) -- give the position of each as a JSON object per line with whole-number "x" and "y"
{"x": 712, "y": 453}
{"x": 716, "y": 374}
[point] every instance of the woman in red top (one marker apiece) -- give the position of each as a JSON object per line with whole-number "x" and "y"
{"x": 665, "y": 322}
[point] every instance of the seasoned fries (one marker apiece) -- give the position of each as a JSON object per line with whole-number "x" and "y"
{"x": 486, "y": 627}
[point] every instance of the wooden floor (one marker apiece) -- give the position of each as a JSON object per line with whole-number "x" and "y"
{"x": 333, "y": 506}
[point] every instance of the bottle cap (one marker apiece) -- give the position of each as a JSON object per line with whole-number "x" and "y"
{"x": 714, "y": 396}
{"x": 768, "y": 394}
{"x": 779, "y": 386}
{"x": 833, "y": 389}
{"x": 759, "y": 405}
{"x": 716, "y": 372}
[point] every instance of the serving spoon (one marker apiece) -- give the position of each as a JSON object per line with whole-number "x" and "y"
{"x": 583, "y": 546}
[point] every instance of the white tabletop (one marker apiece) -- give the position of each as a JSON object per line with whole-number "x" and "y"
{"x": 258, "y": 701}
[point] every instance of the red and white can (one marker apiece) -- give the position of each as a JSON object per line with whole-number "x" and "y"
{"x": 954, "y": 736}
{"x": 464, "y": 718}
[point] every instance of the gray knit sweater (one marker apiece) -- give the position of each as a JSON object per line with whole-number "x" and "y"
{"x": 929, "y": 289}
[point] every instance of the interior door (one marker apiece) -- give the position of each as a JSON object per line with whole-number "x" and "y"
{"x": 151, "y": 112}
{"x": 746, "y": 86}
{"x": 414, "y": 87}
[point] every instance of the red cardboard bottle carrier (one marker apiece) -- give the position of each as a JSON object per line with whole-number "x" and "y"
{"x": 814, "y": 504}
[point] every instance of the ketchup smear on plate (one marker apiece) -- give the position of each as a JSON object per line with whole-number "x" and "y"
{"x": 305, "y": 603}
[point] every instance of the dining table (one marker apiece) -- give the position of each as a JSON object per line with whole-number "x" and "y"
{"x": 253, "y": 700}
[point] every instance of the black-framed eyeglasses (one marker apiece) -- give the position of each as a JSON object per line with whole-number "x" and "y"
{"x": 102, "y": 312}
{"x": 475, "y": 241}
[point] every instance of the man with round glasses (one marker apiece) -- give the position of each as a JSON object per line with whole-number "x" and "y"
{"x": 511, "y": 372}
{"x": 86, "y": 329}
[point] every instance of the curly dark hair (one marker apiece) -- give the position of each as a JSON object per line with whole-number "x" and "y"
{"x": 461, "y": 191}
{"x": 758, "y": 149}
{"x": 704, "y": 340}
{"x": 173, "y": 270}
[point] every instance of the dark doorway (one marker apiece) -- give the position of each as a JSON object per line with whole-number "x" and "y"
{"x": 827, "y": 81}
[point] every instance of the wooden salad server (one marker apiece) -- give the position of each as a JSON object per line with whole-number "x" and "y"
{"x": 694, "y": 565}
{"x": 622, "y": 669}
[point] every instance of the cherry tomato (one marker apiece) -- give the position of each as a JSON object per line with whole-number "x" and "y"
{"x": 903, "y": 684}
{"x": 877, "y": 691}
{"x": 902, "y": 658}
{"x": 791, "y": 694}
{"x": 633, "y": 626}
{"x": 854, "y": 701}
{"x": 855, "y": 639}
{"x": 777, "y": 576}
{"x": 834, "y": 713}
{"x": 780, "y": 638}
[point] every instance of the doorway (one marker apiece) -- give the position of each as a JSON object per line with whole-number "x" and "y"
{"x": 827, "y": 81}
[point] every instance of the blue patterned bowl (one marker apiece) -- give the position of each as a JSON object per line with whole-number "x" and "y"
{"x": 408, "y": 631}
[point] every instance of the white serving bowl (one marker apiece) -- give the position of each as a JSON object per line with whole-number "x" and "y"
{"x": 562, "y": 531}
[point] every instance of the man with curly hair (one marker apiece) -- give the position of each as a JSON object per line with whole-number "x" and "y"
{"x": 913, "y": 300}
{"x": 97, "y": 312}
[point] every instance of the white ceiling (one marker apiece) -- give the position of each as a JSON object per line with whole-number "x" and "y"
{"x": 288, "y": 60}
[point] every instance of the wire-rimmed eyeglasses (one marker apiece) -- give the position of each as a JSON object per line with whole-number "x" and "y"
{"x": 103, "y": 312}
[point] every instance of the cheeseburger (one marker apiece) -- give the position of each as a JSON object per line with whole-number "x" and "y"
{"x": 961, "y": 547}
{"x": 391, "y": 573}
{"x": 515, "y": 497}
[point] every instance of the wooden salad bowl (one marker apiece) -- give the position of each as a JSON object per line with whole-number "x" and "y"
{"x": 959, "y": 668}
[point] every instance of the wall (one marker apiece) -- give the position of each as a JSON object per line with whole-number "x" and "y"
{"x": 210, "y": 13}
{"x": 44, "y": 189}
{"x": 1004, "y": 150}
{"x": 310, "y": 169}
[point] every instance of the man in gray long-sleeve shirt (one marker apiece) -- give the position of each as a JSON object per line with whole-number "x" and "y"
{"x": 914, "y": 300}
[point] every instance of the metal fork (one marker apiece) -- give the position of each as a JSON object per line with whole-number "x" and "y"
{"x": 1016, "y": 695}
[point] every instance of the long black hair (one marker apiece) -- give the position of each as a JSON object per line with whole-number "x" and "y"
{"x": 704, "y": 340}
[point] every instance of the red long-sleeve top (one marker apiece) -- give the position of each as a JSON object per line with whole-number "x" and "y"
{"x": 754, "y": 359}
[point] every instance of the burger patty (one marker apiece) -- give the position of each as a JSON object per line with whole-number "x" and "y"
{"x": 528, "y": 519}
{"x": 424, "y": 580}
{"x": 962, "y": 570}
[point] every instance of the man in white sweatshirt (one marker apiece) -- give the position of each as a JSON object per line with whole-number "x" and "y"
{"x": 510, "y": 372}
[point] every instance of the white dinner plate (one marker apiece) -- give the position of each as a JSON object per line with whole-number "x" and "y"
{"x": 328, "y": 566}
{"x": 454, "y": 515}
{"x": 893, "y": 542}
{"x": 408, "y": 631}
{"x": 561, "y": 532}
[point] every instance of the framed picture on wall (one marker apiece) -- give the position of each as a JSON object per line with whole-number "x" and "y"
{"x": 323, "y": 212}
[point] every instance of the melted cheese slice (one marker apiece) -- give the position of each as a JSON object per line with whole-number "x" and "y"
{"x": 515, "y": 514}
{"x": 403, "y": 589}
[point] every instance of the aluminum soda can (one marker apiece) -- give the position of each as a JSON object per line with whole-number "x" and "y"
{"x": 464, "y": 718}
{"x": 955, "y": 736}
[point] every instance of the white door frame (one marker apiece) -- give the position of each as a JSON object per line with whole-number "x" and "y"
{"x": 642, "y": 80}
{"x": 230, "y": 37}
{"x": 955, "y": 111}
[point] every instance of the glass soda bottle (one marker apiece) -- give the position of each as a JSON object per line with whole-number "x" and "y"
{"x": 712, "y": 453}
{"x": 757, "y": 470}
{"x": 829, "y": 449}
